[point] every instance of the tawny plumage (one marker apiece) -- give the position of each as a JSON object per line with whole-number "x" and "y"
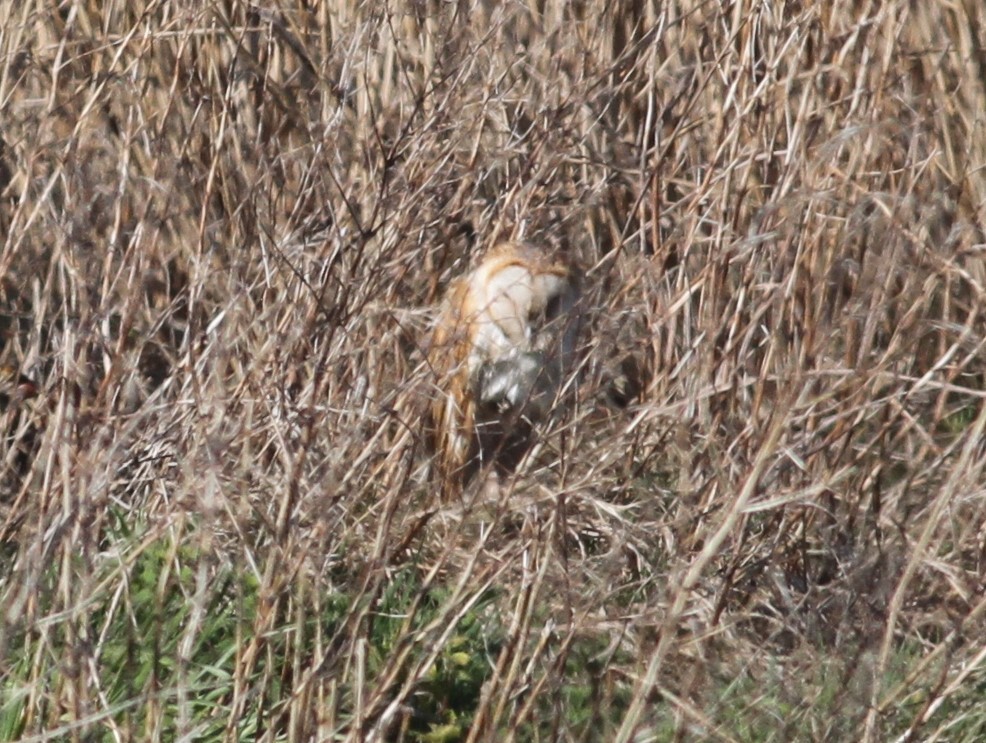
{"x": 501, "y": 350}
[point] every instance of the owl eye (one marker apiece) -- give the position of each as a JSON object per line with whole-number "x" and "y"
{"x": 556, "y": 306}
{"x": 553, "y": 308}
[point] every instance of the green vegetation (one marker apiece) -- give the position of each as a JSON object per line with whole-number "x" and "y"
{"x": 169, "y": 654}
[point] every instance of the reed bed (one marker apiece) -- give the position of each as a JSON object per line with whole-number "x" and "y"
{"x": 224, "y": 232}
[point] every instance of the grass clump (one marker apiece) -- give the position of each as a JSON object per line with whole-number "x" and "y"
{"x": 170, "y": 653}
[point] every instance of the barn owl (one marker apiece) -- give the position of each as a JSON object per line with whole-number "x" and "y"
{"x": 501, "y": 350}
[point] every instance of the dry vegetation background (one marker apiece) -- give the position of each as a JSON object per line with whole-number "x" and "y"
{"x": 225, "y": 228}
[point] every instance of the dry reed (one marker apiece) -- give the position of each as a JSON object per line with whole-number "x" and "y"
{"x": 224, "y": 229}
